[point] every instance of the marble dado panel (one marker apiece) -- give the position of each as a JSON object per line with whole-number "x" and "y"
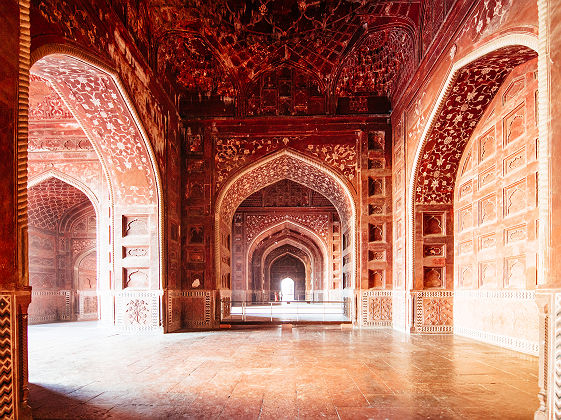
{"x": 194, "y": 307}
{"x": 138, "y": 311}
{"x": 399, "y": 310}
{"x": 376, "y": 308}
{"x": 433, "y": 311}
{"x": 506, "y": 318}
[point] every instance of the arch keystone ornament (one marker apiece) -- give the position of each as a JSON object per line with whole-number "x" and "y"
{"x": 284, "y": 164}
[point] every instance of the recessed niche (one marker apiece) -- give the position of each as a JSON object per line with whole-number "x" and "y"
{"x": 433, "y": 224}
{"x": 375, "y": 278}
{"x": 432, "y": 277}
{"x": 375, "y": 233}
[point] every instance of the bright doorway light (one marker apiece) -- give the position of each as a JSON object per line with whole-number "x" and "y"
{"x": 287, "y": 289}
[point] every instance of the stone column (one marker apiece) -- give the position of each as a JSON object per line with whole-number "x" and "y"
{"x": 14, "y": 293}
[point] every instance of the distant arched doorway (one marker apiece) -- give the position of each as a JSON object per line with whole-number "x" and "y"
{"x": 292, "y": 166}
{"x": 291, "y": 267}
{"x": 287, "y": 289}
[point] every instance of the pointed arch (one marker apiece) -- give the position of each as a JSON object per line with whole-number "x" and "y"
{"x": 96, "y": 97}
{"x": 528, "y": 44}
{"x": 285, "y": 164}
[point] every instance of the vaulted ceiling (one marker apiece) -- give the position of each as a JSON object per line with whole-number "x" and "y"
{"x": 284, "y": 57}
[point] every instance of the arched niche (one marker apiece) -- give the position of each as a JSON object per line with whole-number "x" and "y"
{"x": 469, "y": 88}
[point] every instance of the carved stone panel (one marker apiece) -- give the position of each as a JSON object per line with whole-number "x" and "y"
{"x": 433, "y": 250}
{"x": 515, "y": 272}
{"x": 515, "y": 233}
{"x": 487, "y": 145}
{"x": 487, "y": 274}
{"x": 515, "y": 198}
{"x": 135, "y": 225}
{"x": 514, "y": 124}
{"x": 136, "y": 278}
{"x": 487, "y": 209}
{"x": 515, "y": 161}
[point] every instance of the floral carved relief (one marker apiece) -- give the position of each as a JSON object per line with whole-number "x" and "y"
{"x": 472, "y": 90}
{"x": 234, "y": 153}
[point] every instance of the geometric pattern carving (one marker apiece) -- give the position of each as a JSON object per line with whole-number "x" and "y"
{"x": 49, "y": 200}
{"x": 433, "y": 311}
{"x": 6, "y": 359}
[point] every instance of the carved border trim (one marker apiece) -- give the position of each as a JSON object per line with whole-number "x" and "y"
{"x": 512, "y": 343}
{"x": 65, "y": 316}
{"x": 556, "y": 362}
{"x": 24, "y": 64}
{"x": 497, "y": 294}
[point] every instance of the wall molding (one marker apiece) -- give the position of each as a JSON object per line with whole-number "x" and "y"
{"x": 512, "y": 343}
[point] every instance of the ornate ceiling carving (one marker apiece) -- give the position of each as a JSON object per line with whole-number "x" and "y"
{"x": 49, "y": 200}
{"x": 218, "y": 49}
{"x": 472, "y": 90}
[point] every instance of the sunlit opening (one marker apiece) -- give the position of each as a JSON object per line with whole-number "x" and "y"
{"x": 287, "y": 289}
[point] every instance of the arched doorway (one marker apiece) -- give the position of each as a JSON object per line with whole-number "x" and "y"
{"x": 83, "y": 127}
{"x": 290, "y": 167}
{"x": 62, "y": 252}
{"x": 288, "y": 276}
{"x": 287, "y": 289}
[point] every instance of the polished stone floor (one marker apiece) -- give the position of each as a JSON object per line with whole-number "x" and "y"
{"x": 83, "y": 371}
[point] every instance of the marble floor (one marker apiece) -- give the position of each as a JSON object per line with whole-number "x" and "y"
{"x": 84, "y": 371}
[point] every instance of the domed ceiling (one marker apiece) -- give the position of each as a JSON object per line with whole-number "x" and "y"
{"x": 285, "y": 57}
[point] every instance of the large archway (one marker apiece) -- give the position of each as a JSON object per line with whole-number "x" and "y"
{"x": 126, "y": 182}
{"x": 289, "y": 165}
{"x": 471, "y": 86}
